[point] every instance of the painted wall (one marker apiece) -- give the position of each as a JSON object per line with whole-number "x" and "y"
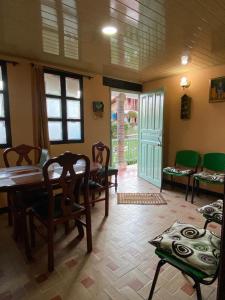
{"x": 95, "y": 129}
{"x": 204, "y": 131}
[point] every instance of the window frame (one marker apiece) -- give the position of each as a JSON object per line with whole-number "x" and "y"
{"x": 6, "y": 118}
{"x": 63, "y": 75}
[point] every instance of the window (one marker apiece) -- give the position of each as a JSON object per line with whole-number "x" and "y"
{"x": 5, "y": 133}
{"x": 64, "y": 107}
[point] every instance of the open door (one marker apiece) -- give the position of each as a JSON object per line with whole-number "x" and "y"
{"x": 151, "y": 137}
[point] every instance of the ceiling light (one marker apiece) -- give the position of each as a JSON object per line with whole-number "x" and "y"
{"x": 109, "y": 30}
{"x": 184, "y": 59}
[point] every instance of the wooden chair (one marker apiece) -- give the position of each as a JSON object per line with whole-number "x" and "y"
{"x": 99, "y": 183}
{"x": 23, "y": 153}
{"x": 60, "y": 205}
{"x": 111, "y": 171}
{"x": 17, "y": 211}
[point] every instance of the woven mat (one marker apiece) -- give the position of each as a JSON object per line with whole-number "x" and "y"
{"x": 141, "y": 198}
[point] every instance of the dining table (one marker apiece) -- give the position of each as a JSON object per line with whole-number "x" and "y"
{"x": 30, "y": 177}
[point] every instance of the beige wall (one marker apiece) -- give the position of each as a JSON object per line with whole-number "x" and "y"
{"x": 95, "y": 129}
{"x": 204, "y": 131}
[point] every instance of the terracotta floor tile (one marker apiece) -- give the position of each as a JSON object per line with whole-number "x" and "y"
{"x": 87, "y": 282}
{"x": 188, "y": 289}
{"x": 112, "y": 266}
{"x": 58, "y": 297}
{"x": 71, "y": 263}
{"x": 42, "y": 277}
{"x": 135, "y": 284}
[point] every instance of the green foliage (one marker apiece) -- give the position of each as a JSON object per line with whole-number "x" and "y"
{"x": 132, "y": 114}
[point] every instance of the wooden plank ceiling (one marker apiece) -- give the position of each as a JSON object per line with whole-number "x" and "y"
{"x": 152, "y": 35}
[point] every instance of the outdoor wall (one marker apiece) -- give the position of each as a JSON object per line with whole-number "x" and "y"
{"x": 204, "y": 131}
{"x": 95, "y": 129}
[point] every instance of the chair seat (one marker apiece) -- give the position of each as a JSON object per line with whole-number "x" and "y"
{"x": 209, "y": 177}
{"x": 186, "y": 268}
{"x": 213, "y": 211}
{"x": 111, "y": 171}
{"x": 198, "y": 248}
{"x": 93, "y": 185}
{"x": 41, "y": 208}
{"x": 177, "y": 171}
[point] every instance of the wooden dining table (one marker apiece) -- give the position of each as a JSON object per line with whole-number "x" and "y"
{"x": 30, "y": 177}
{"x": 26, "y": 177}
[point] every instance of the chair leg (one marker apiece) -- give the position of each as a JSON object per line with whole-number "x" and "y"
{"x": 161, "y": 187}
{"x": 206, "y": 223}
{"x": 88, "y": 230}
{"x": 171, "y": 180}
{"x": 197, "y": 183}
{"x": 193, "y": 191}
{"x": 25, "y": 234}
{"x": 198, "y": 290}
{"x": 187, "y": 188}
{"x": 107, "y": 202}
{"x": 116, "y": 183}
{"x": 50, "y": 248}
{"x": 32, "y": 230}
{"x": 9, "y": 203}
{"x": 160, "y": 264}
{"x": 79, "y": 228}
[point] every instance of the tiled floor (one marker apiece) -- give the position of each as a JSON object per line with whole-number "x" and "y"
{"x": 122, "y": 263}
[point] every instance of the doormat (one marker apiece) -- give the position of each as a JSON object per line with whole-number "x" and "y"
{"x": 141, "y": 198}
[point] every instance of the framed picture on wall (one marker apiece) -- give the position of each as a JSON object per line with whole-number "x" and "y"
{"x": 217, "y": 90}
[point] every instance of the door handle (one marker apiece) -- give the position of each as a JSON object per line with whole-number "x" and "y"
{"x": 159, "y": 142}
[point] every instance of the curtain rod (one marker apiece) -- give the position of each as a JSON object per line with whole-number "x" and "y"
{"x": 52, "y": 68}
{"x": 14, "y": 63}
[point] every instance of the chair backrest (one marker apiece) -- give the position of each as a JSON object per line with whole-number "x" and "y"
{"x": 66, "y": 182}
{"x": 101, "y": 155}
{"x": 187, "y": 158}
{"x": 44, "y": 157}
{"x": 214, "y": 162}
{"x": 23, "y": 153}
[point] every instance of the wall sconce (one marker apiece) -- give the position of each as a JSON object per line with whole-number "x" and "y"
{"x": 184, "y": 82}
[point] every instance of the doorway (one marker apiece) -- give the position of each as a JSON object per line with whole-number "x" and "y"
{"x": 124, "y": 129}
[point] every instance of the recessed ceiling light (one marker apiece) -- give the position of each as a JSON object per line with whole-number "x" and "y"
{"x": 109, "y": 30}
{"x": 184, "y": 59}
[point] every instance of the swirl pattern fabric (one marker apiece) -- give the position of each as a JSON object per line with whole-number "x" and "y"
{"x": 197, "y": 247}
{"x": 178, "y": 171}
{"x": 213, "y": 211}
{"x": 205, "y": 176}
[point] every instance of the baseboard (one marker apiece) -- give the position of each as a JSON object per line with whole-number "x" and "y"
{"x": 201, "y": 191}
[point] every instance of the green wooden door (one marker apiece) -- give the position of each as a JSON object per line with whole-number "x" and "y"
{"x": 151, "y": 137}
